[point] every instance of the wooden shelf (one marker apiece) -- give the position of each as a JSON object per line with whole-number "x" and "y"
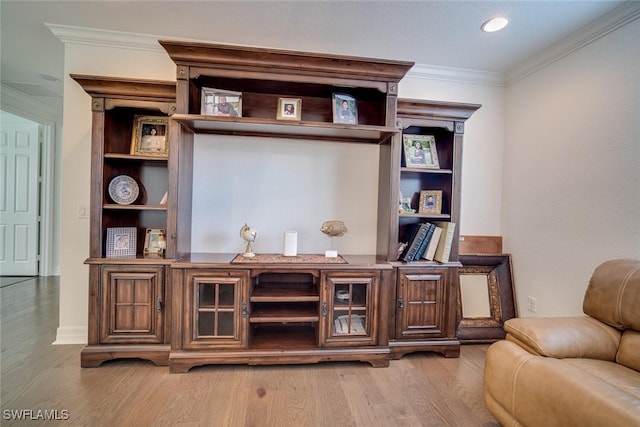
{"x": 417, "y": 170}
{"x": 291, "y": 313}
{"x": 285, "y": 295}
{"x": 248, "y": 126}
{"x": 428, "y": 216}
{"x": 120, "y": 156}
{"x": 135, "y": 207}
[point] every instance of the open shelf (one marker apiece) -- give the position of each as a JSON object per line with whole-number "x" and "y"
{"x": 283, "y": 312}
{"x": 131, "y": 157}
{"x": 135, "y": 207}
{"x": 279, "y": 337}
{"x": 285, "y": 295}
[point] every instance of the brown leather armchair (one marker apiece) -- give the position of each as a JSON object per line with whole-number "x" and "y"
{"x": 573, "y": 371}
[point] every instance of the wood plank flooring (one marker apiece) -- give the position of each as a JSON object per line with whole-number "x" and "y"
{"x": 421, "y": 389}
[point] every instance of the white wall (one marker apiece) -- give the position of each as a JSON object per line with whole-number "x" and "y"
{"x": 483, "y": 141}
{"x": 571, "y": 187}
{"x": 277, "y": 185}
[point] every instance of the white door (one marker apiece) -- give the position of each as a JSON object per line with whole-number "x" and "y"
{"x": 19, "y": 176}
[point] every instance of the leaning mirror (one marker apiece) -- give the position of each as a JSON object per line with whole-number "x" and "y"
{"x": 486, "y": 297}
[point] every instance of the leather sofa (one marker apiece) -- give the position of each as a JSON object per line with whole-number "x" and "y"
{"x": 573, "y": 371}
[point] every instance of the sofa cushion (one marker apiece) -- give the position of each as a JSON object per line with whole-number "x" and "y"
{"x": 563, "y": 337}
{"x": 613, "y": 294}
{"x": 524, "y": 389}
{"x": 629, "y": 351}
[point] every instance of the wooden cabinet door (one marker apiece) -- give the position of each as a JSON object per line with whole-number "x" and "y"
{"x": 215, "y": 309}
{"x": 349, "y": 308}
{"x": 131, "y": 310}
{"x": 423, "y": 307}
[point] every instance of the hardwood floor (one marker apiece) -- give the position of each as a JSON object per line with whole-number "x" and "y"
{"x": 421, "y": 389}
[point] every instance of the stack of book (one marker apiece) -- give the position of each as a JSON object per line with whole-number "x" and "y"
{"x": 429, "y": 241}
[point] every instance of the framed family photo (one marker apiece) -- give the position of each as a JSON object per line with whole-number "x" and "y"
{"x": 430, "y": 202}
{"x": 155, "y": 241}
{"x": 150, "y": 136}
{"x": 345, "y": 109}
{"x": 420, "y": 151}
{"x": 121, "y": 242}
{"x": 289, "y": 109}
{"x": 224, "y": 103}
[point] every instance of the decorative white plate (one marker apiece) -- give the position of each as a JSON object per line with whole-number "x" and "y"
{"x": 123, "y": 190}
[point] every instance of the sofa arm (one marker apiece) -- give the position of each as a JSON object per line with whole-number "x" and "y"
{"x": 564, "y": 337}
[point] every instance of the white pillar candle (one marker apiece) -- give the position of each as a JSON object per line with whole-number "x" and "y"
{"x": 290, "y": 243}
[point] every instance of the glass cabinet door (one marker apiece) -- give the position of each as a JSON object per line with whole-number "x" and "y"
{"x": 217, "y": 310}
{"x": 348, "y": 308}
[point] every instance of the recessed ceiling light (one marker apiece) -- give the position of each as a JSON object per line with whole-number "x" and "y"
{"x": 495, "y": 24}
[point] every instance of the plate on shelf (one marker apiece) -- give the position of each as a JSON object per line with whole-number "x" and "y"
{"x": 123, "y": 190}
{"x": 342, "y": 295}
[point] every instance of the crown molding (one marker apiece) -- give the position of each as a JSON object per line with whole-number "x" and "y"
{"x": 619, "y": 17}
{"x": 457, "y": 75}
{"x": 105, "y": 38}
{"x": 24, "y": 105}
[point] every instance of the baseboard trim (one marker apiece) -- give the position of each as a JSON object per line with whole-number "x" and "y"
{"x": 71, "y": 335}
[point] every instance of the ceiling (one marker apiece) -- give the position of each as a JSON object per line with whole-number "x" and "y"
{"x": 432, "y": 33}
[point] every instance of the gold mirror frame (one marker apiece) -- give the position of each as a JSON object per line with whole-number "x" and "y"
{"x": 501, "y": 298}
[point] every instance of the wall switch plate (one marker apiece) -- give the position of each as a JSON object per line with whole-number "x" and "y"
{"x": 83, "y": 212}
{"x": 532, "y": 304}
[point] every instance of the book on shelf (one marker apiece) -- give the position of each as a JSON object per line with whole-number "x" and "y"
{"x": 425, "y": 242}
{"x": 433, "y": 243}
{"x": 418, "y": 237}
{"x": 443, "y": 251}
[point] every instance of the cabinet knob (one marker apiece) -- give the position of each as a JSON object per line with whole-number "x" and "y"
{"x": 324, "y": 309}
{"x": 158, "y": 304}
{"x": 400, "y": 303}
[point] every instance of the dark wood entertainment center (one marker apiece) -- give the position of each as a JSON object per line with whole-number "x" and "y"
{"x": 189, "y": 309}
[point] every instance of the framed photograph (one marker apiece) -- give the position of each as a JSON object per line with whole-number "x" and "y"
{"x": 155, "y": 241}
{"x": 289, "y": 109}
{"x": 345, "y": 109}
{"x": 420, "y": 151}
{"x": 150, "y": 136}
{"x": 224, "y": 103}
{"x": 121, "y": 242}
{"x": 430, "y": 202}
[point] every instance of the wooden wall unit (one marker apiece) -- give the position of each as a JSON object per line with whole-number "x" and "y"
{"x": 127, "y": 303}
{"x": 191, "y": 309}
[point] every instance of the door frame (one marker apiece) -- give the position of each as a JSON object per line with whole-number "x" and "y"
{"x": 26, "y": 107}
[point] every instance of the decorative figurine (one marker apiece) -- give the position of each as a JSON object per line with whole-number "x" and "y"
{"x": 333, "y": 229}
{"x": 249, "y": 235}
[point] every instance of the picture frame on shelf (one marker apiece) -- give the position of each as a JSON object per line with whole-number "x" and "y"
{"x": 345, "y": 109}
{"x": 121, "y": 242}
{"x": 420, "y": 151}
{"x": 155, "y": 242}
{"x": 222, "y": 103}
{"x": 289, "y": 109}
{"x": 150, "y": 136}
{"x": 430, "y": 202}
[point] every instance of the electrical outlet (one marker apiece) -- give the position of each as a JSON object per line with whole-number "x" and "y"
{"x": 532, "y": 304}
